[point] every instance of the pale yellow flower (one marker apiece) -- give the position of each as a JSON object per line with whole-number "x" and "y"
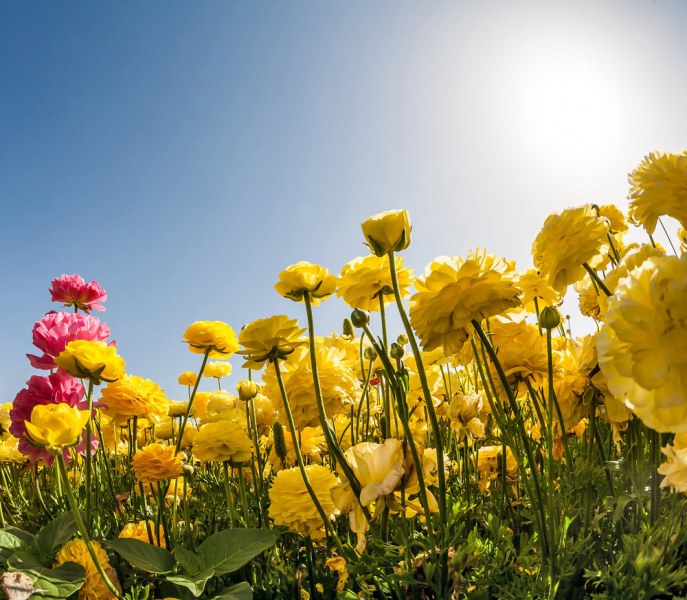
{"x": 387, "y": 231}
{"x": 365, "y": 279}
{"x": 269, "y": 339}
{"x": 227, "y": 440}
{"x": 217, "y": 369}
{"x": 304, "y": 277}
{"x": 91, "y": 359}
{"x": 674, "y": 469}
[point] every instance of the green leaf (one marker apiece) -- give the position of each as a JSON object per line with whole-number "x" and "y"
{"x": 240, "y": 591}
{"x": 53, "y": 536}
{"x": 141, "y": 555}
{"x": 9, "y": 541}
{"x": 228, "y": 550}
{"x": 196, "y": 585}
{"x": 188, "y": 560}
{"x": 24, "y": 536}
{"x": 56, "y": 584}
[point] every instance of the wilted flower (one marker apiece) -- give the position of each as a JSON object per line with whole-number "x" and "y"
{"x": 659, "y": 187}
{"x": 291, "y": 504}
{"x": 214, "y": 336}
{"x": 387, "y": 231}
{"x": 94, "y": 588}
{"x": 364, "y": 280}
{"x": 489, "y": 465}
{"x": 464, "y": 412}
{"x": 132, "y": 396}
{"x": 93, "y": 360}
{"x": 55, "y": 426}
{"x": 72, "y": 290}
{"x": 296, "y": 280}
{"x": 56, "y": 329}
{"x": 156, "y": 462}
{"x": 454, "y": 291}
{"x": 267, "y": 339}
{"x": 642, "y": 348}
{"x": 337, "y": 564}
{"x": 567, "y": 241}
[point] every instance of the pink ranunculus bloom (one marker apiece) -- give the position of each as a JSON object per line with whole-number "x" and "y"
{"x": 56, "y": 329}
{"x": 72, "y": 290}
{"x": 51, "y": 389}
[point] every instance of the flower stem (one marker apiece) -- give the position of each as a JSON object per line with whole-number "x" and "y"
{"x": 82, "y": 529}
{"x": 594, "y": 275}
{"x": 190, "y": 401}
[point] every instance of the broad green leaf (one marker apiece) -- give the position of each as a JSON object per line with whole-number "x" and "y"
{"x": 54, "y": 535}
{"x": 9, "y": 541}
{"x": 228, "y": 550}
{"x": 188, "y": 560}
{"x": 24, "y": 536}
{"x": 55, "y": 584}
{"x": 141, "y": 555}
{"x": 240, "y": 591}
{"x": 195, "y": 585}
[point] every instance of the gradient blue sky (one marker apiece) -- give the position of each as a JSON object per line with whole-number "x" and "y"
{"x": 183, "y": 153}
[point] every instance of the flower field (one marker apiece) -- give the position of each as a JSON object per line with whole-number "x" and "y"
{"x": 481, "y": 452}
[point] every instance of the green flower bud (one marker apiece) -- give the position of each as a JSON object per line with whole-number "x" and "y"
{"x": 549, "y": 318}
{"x": 348, "y": 328}
{"x": 279, "y": 441}
{"x": 396, "y": 351}
{"x": 360, "y": 318}
{"x": 370, "y": 353}
{"x": 402, "y": 339}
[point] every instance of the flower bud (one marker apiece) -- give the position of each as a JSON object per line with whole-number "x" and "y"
{"x": 387, "y": 231}
{"x": 348, "y": 328}
{"x": 279, "y": 442}
{"x": 360, "y": 318}
{"x": 246, "y": 389}
{"x": 396, "y": 351}
{"x": 549, "y": 318}
{"x": 370, "y": 353}
{"x": 402, "y": 339}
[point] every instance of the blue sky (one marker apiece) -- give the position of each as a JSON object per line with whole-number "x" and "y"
{"x": 182, "y": 154}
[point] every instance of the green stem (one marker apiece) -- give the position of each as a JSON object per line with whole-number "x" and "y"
{"x": 595, "y": 277}
{"x": 82, "y": 529}
{"x": 190, "y": 401}
{"x": 89, "y": 398}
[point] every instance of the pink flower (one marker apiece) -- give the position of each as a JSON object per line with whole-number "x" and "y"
{"x": 51, "y": 389}
{"x": 72, "y": 290}
{"x": 56, "y": 329}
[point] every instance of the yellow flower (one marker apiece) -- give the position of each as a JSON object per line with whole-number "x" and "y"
{"x": 226, "y": 440}
{"x": 387, "y": 231}
{"x": 534, "y": 286}
{"x": 90, "y": 359}
{"x": 311, "y": 442}
{"x": 642, "y": 349}
{"x": 291, "y": 504}
{"x": 139, "y": 531}
{"x": 247, "y": 389}
{"x": 132, "y": 396}
{"x": 93, "y": 588}
{"x": 337, "y": 564}
{"x": 682, "y": 236}
{"x": 188, "y": 378}
{"x": 658, "y": 186}
{"x": 217, "y": 369}
{"x": 9, "y": 451}
{"x": 267, "y": 339}
{"x": 296, "y": 280}
{"x": 55, "y": 426}
{"x": 378, "y": 467}
{"x": 616, "y": 219}
{"x": 156, "y": 462}
{"x": 456, "y": 290}
{"x": 675, "y": 467}
{"x": 216, "y": 336}
{"x": 489, "y": 462}
{"x": 464, "y": 412}
{"x": 339, "y": 385}
{"x": 566, "y": 241}
{"x": 364, "y": 280}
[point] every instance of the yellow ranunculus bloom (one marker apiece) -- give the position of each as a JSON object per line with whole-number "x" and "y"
{"x": 365, "y": 279}
{"x": 156, "y": 462}
{"x": 659, "y": 187}
{"x": 55, "y": 426}
{"x": 216, "y": 336}
{"x": 454, "y": 291}
{"x": 674, "y": 469}
{"x": 132, "y": 396}
{"x": 266, "y": 339}
{"x": 566, "y": 241}
{"x": 642, "y": 349}
{"x": 296, "y": 280}
{"x": 188, "y": 378}
{"x": 337, "y": 564}
{"x": 489, "y": 462}
{"x": 378, "y": 467}
{"x": 534, "y": 286}
{"x": 139, "y": 531}
{"x": 387, "y": 231}
{"x": 247, "y": 389}
{"x": 91, "y": 359}
{"x": 217, "y": 369}
{"x": 291, "y": 504}
{"x": 94, "y": 588}
{"x": 220, "y": 441}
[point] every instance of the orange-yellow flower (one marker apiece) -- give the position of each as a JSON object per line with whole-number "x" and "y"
{"x": 132, "y": 396}
{"x": 94, "y": 587}
{"x": 215, "y": 336}
{"x": 156, "y": 462}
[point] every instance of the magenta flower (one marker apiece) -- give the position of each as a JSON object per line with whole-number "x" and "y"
{"x": 56, "y": 329}
{"x": 51, "y": 389}
{"x": 72, "y": 290}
